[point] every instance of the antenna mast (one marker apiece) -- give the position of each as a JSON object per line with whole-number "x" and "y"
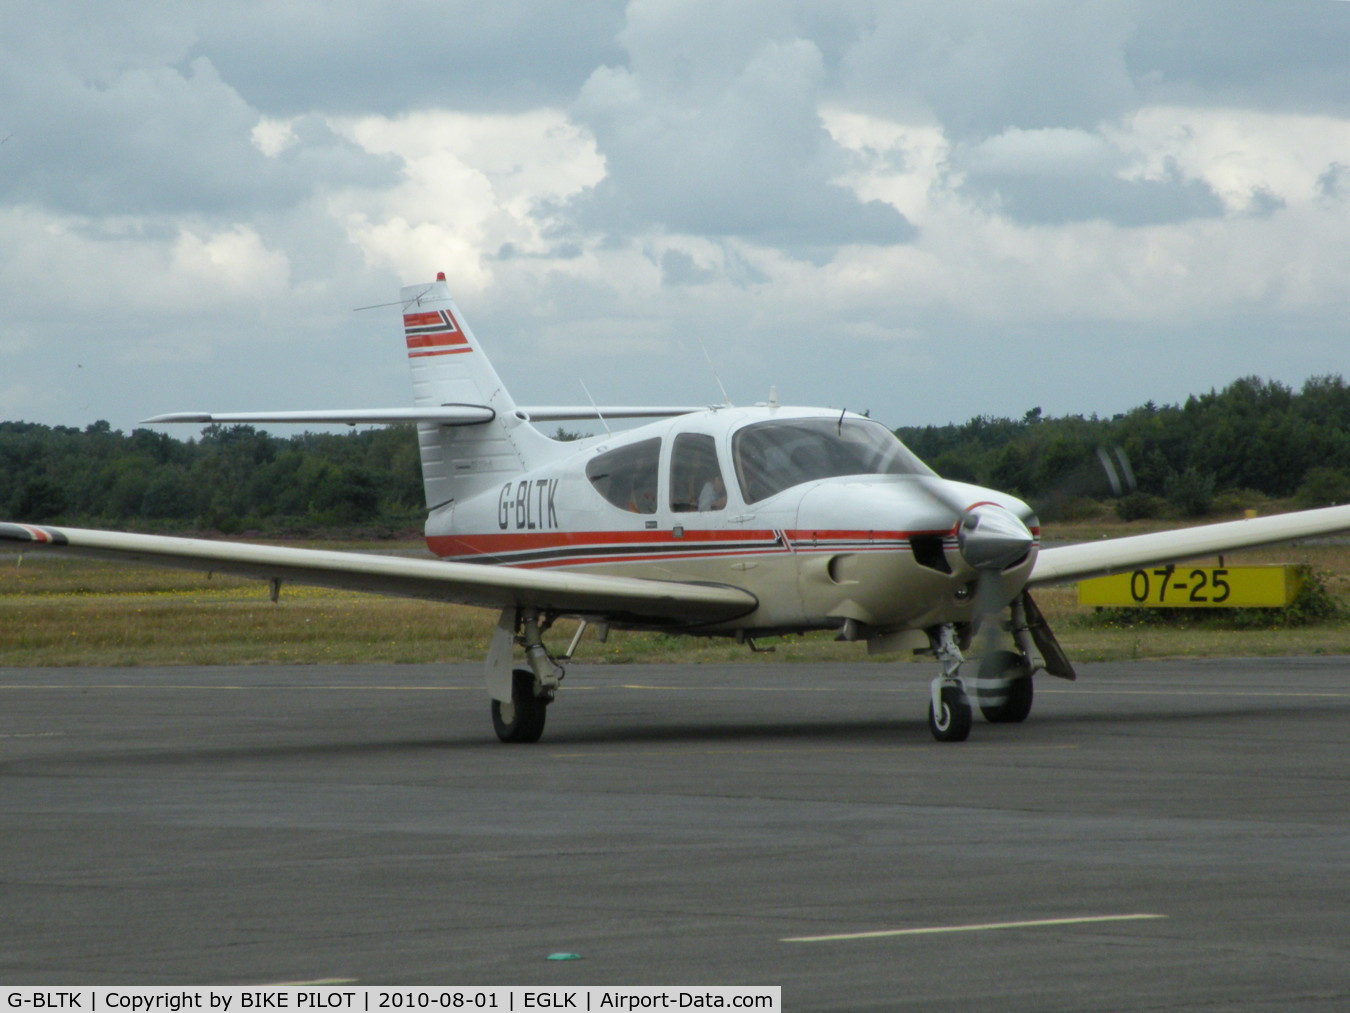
{"x": 712, "y": 369}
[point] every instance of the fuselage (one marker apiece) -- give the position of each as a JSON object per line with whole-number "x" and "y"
{"x": 824, "y": 516}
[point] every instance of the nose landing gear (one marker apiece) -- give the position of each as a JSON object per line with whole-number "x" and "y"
{"x": 949, "y": 710}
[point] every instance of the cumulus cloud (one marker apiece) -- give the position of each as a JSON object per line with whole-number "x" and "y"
{"x": 720, "y": 134}
{"x": 963, "y": 202}
{"x": 470, "y": 187}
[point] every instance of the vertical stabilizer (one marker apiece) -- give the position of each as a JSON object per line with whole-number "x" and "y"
{"x": 449, "y": 368}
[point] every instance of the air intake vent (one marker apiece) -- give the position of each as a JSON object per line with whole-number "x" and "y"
{"x": 928, "y": 552}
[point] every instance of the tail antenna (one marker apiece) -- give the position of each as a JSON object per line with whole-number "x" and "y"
{"x": 595, "y": 406}
{"x": 405, "y": 303}
{"x": 713, "y": 369}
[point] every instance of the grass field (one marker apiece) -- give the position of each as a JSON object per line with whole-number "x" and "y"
{"x": 66, "y": 611}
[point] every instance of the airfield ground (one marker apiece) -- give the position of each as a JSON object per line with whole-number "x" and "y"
{"x": 1158, "y": 835}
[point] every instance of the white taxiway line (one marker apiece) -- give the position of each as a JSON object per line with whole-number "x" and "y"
{"x": 986, "y": 927}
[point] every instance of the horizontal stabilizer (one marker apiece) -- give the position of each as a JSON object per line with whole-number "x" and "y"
{"x": 569, "y": 413}
{"x": 446, "y": 415}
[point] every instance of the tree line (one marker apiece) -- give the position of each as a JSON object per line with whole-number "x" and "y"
{"x": 1254, "y": 440}
{"x": 230, "y": 479}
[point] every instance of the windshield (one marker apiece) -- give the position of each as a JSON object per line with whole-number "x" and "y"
{"x": 773, "y": 456}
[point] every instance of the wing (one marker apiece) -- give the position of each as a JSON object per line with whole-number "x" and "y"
{"x": 1061, "y": 564}
{"x": 621, "y": 599}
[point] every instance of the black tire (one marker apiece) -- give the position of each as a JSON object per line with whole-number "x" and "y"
{"x": 1005, "y": 691}
{"x": 527, "y": 711}
{"x": 953, "y": 724}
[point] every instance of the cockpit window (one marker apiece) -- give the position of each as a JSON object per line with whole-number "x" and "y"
{"x": 695, "y": 478}
{"x": 773, "y": 456}
{"x": 627, "y": 476}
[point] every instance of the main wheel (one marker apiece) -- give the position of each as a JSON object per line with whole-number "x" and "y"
{"x": 953, "y": 723}
{"x": 521, "y": 720}
{"x": 1004, "y": 690}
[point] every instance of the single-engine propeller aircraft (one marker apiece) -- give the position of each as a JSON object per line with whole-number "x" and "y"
{"x": 715, "y": 521}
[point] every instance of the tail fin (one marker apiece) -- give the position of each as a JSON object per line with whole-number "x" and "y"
{"x": 449, "y": 368}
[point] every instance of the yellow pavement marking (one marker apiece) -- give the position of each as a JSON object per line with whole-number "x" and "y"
{"x": 986, "y": 927}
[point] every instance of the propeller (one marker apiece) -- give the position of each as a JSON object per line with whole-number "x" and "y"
{"x": 991, "y": 538}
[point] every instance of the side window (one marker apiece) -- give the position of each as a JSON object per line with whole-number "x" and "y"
{"x": 626, "y": 477}
{"x": 695, "y": 479}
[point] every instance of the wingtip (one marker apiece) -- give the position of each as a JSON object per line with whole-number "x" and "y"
{"x": 32, "y": 534}
{"x": 176, "y": 417}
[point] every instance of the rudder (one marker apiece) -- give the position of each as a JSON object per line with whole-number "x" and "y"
{"x": 449, "y": 368}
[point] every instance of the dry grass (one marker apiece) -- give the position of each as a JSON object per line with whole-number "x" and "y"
{"x": 67, "y": 611}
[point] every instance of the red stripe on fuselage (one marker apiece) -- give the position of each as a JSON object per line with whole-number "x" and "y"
{"x": 583, "y": 547}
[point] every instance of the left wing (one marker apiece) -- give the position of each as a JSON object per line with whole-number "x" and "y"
{"x": 1062, "y": 564}
{"x": 618, "y": 598}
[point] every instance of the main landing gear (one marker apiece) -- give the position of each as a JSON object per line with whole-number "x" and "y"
{"x": 520, "y": 696}
{"x": 522, "y": 718}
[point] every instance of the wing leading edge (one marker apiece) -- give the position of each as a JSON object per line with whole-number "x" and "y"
{"x": 617, "y": 598}
{"x": 1062, "y": 564}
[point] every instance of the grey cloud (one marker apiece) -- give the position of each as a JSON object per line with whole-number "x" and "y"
{"x": 1290, "y": 55}
{"x": 1050, "y": 200}
{"x": 349, "y": 57}
{"x": 980, "y": 68}
{"x": 1335, "y": 182}
{"x": 679, "y": 268}
{"x": 165, "y": 139}
{"x": 740, "y": 153}
{"x": 1056, "y": 176}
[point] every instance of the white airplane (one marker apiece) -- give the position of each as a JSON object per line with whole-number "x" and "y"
{"x": 718, "y": 521}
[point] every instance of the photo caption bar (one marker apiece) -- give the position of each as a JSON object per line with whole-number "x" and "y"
{"x": 328, "y": 997}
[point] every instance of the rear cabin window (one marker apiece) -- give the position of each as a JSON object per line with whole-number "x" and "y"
{"x": 626, "y": 477}
{"x": 773, "y": 456}
{"x": 695, "y": 478}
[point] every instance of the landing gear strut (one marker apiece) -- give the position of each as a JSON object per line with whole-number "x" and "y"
{"x": 949, "y": 711}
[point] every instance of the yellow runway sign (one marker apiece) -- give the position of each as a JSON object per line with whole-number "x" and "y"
{"x": 1195, "y": 587}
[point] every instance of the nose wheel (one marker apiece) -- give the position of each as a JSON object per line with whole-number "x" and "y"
{"x": 949, "y": 713}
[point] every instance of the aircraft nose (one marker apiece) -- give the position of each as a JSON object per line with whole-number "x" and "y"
{"x": 992, "y": 538}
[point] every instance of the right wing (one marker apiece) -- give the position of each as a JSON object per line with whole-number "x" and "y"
{"x": 1066, "y": 563}
{"x": 620, "y": 599}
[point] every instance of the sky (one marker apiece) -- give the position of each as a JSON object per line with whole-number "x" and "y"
{"x": 930, "y": 210}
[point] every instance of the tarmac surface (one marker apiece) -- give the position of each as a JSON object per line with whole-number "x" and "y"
{"x": 1159, "y": 835}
